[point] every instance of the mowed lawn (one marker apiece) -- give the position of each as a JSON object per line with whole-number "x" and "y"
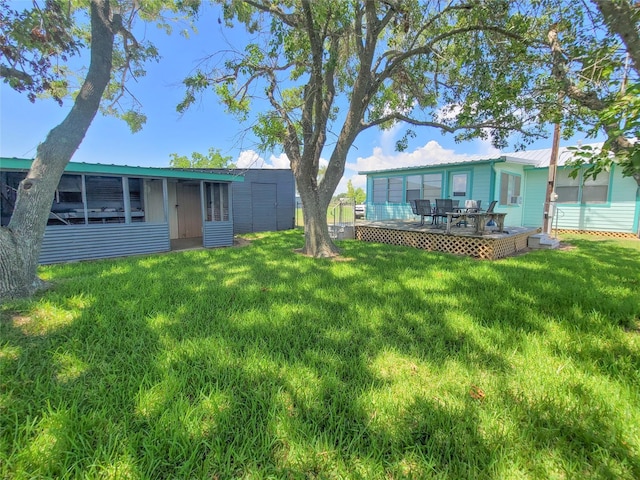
{"x": 256, "y": 362}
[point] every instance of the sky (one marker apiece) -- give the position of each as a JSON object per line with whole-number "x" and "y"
{"x": 23, "y": 125}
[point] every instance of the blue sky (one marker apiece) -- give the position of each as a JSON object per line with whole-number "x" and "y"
{"x": 23, "y": 125}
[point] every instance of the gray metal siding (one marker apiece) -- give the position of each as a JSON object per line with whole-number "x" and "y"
{"x": 217, "y": 234}
{"x": 264, "y": 206}
{"x": 64, "y": 243}
{"x": 243, "y": 201}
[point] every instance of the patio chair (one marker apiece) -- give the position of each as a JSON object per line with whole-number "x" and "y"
{"x": 472, "y": 206}
{"x": 424, "y": 210}
{"x": 492, "y": 205}
{"x": 414, "y": 207}
{"x": 443, "y": 206}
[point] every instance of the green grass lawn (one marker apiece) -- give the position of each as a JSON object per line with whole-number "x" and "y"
{"x": 257, "y": 362}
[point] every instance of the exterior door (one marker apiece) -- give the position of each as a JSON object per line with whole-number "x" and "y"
{"x": 264, "y": 205}
{"x": 459, "y": 187}
{"x": 189, "y": 208}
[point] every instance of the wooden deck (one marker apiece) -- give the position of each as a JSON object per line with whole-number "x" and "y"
{"x": 461, "y": 241}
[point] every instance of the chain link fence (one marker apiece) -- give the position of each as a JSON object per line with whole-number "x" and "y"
{"x": 341, "y": 217}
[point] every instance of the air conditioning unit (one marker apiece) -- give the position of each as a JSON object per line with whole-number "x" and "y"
{"x": 516, "y": 200}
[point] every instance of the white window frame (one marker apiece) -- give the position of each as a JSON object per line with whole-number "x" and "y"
{"x": 510, "y": 188}
{"x": 388, "y": 189}
{"x": 429, "y": 188}
{"x": 576, "y": 191}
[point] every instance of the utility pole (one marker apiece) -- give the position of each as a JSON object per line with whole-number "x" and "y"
{"x": 549, "y": 207}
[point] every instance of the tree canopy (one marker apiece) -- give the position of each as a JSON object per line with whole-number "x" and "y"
{"x": 213, "y": 159}
{"x": 328, "y": 70}
{"x": 356, "y": 194}
{"x": 594, "y": 64}
{"x": 42, "y": 49}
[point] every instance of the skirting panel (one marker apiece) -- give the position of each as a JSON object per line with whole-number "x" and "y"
{"x": 599, "y": 233}
{"x": 478, "y": 247}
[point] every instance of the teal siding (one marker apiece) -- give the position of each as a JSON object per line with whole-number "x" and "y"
{"x": 615, "y": 216}
{"x": 535, "y": 189}
{"x": 620, "y": 214}
{"x": 481, "y": 184}
{"x": 481, "y": 179}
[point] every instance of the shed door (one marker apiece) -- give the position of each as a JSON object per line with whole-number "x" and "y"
{"x": 189, "y": 210}
{"x": 263, "y": 206}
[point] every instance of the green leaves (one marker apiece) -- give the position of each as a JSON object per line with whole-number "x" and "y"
{"x": 270, "y": 129}
{"x": 37, "y": 44}
{"x": 32, "y": 43}
{"x": 213, "y": 159}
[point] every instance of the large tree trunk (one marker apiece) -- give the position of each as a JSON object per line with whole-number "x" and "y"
{"x": 21, "y": 240}
{"x": 317, "y": 242}
{"x": 316, "y": 197}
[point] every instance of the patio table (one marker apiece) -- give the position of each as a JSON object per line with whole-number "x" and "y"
{"x": 481, "y": 219}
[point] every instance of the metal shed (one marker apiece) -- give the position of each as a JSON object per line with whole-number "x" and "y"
{"x": 265, "y": 201}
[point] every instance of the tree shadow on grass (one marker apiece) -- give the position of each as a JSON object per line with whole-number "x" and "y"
{"x": 231, "y": 363}
{"x": 70, "y": 389}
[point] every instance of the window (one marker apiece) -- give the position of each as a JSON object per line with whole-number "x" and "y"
{"x": 459, "y": 184}
{"x": 136, "y": 199}
{"x": 580, "y": 190}
{"x": 596, "y": 191}
{"x": 413, "y": 187}
{"x": 510, "y": 189}
{"x": 9, "y": 183}
{"x": 218, "y": 202}
{"x": 105, "y": 199}
{"x": 387, "y": 190}
{"x": 152, "y": 201}
{"x": 395, "y": 190}
{"x": 67, "y": 207}
{"x": 432, "y": 186}
{"x": 69, "y": 190}
{"x": 379, "y": 190}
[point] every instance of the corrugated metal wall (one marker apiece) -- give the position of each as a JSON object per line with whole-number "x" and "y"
{"x": 282, "y": 207}
{"x": 264, "y": 206}
{"x": 63, "y": 243}
{"x": 217, "y": 234}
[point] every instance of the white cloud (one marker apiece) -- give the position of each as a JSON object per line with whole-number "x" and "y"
{"x": 448, "y": 112}
{"x": 485, "y": 148}
{"x": 249, "y": 159}
{"x": 388, "y": 137}
{"x": 430, "y": 153}
{"x": 281, "y": 161}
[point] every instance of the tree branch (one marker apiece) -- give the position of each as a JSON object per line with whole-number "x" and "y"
{"x": 399, "y": 117}
{"x": 287, "y": 18}
{"x": 588, "y": 99}
{"x": 622, "y": 19}
{"x": 9, "y": 73}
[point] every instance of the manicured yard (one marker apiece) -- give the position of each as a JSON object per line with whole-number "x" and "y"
{"x": 256, "y": 362}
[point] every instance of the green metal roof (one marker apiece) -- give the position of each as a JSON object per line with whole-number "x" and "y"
{"x": 125, "y": 170}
